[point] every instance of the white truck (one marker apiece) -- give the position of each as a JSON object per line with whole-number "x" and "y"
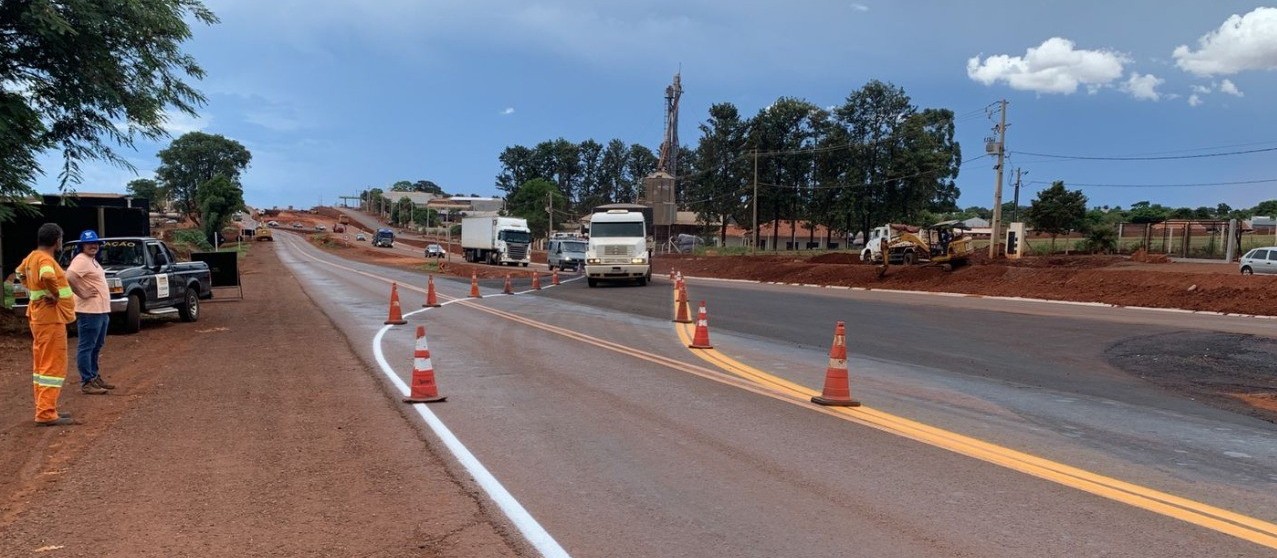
{"x": 617, "y": 249}
{"x": 496, "y": 240}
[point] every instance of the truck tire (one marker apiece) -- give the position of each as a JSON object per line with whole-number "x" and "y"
{"x": 525, "y": 264}
{"x": 592, "y": 282}
{"x": 132, "y": 322}
{"x": 642, "y": 281}
{"x": 909, "y": 258}
{"x": 189, "y": 311}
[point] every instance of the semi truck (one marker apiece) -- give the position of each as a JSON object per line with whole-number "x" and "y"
{"x": 496, "y": 240}
{"x": 617, "y": 250}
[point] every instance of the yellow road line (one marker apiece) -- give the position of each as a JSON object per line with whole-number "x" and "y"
{"x": 756, "y": 381}
{"x": 1241, "y": 526}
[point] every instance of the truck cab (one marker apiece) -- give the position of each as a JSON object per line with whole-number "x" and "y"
{"x": 617, "y": 249}
{"x": 384, "y": 237}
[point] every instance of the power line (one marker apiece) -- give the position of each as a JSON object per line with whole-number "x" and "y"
{"x": 1191, "y": 185}
{"x": 1161, "y": 158}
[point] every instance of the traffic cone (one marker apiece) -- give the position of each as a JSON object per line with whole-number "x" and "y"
{"x": 423, "y": 389}
{"x": 507, "y": 289}
{"x": 682, "y": 314}
{"x": 536, "y": 281}
{"x": 474, "y": 286}
{"x": 396, "y": 313}
{"x": 701, "y": 339}
{"x": 837, "y": 390}
{"x": 432, "y": 300}
{"x": 554, "y": 278}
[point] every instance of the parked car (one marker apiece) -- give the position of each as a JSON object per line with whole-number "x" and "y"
{"x": 361, "y": 237}
{"x": 435, "y": 251}
{"x": 1259, "y": 260}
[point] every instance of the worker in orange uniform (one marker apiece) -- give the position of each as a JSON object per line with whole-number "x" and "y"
{"x": 50, "y": 309}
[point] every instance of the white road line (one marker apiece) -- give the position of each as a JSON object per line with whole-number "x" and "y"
{"x": 536, "y": 535}
{"x": 519, "y": 516}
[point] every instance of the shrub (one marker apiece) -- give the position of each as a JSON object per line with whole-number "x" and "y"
{"x": 1101, "y": 239}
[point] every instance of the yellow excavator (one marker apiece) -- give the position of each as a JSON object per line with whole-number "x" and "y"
{"x": 943, "y": 244}
{"x": 263, "y": 232}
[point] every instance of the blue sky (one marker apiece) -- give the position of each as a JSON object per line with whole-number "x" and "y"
{"x": 335, "y": 95}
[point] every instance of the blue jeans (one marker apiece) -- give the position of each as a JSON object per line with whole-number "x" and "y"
{"x": 92, "y": 334}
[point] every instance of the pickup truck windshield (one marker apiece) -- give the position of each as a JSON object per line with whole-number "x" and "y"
{"x": 114, "y": 252}
{"x": 633, "y": 229}
{"x": 574, "y": 246}
{"x": 517, "y": 237}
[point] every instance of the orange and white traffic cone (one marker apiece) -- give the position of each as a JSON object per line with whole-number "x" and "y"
{"x": 432, "y": 300}
{"x": 396, "y": 313}
{"x": 423, "y": 388}
{"x": 474, "y": 285}
{"x": 507, "y": 290}
{"x": 701, "y": 339}
{"x": 837, "y": 390}
{"x": 554, "y": 278}
{"x": 536, "y": 281}
{"x": 682, "y": 314}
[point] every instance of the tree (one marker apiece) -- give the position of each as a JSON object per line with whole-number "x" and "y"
{"x": 529, "y": 202}
{"x": 81, "y": 77}
{"x": 192, "y": 161}
{"x": 1057, "y": 211}
{"x": 1144, "y": 212}
{"x": 402, "y": 186}
{"x": 219, "y": 198}
{"x": 146, "y": 189}
{"x": 717, "y": 190}
{"x": 1265, "y": 208}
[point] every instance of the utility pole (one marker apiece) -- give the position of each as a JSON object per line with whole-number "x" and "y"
{"x": 754, "y": 238}
{"x": 1015, "y": 211}
{"x": 549, "y": 209}
{"x": 1000, "y": 149}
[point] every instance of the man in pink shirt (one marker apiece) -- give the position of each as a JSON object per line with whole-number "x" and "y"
{"x": 92, "y": 311}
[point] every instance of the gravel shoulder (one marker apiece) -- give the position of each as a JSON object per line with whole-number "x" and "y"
{"x": 256, "y": 431}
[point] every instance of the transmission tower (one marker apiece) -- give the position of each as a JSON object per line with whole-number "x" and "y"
{"x": 669, "y": 148}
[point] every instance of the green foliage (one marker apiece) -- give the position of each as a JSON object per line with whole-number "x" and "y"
{"x": 530, "y": 201}
{"x": 84, "y": 77}
{"x": 1145, "y": 212}
{"x": 147, "y": 189}
{"x": 1057, "y": 211}
{"x": 722, "y": 176}
{"x": 1101, "y": 239}
{"x": 1266, "y": 208}
{"x": 219, "y": 198}
{"x": 192, "y": 237}
{"x": 587, "y": 174}
{"x": 194, "y": 160}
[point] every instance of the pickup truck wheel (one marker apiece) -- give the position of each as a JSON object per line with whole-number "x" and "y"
{"x": 190, "y": 309}
{"x": 132, "y": 316}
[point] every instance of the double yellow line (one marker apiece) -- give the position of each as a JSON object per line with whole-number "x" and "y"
{"x": 759, "y": 382}
{"x": 1241, "y": 526}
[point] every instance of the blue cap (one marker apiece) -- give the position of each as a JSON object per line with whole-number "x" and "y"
{"x": 90, "y": 236}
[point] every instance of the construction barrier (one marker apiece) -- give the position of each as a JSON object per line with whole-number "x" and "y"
{"x": 837, "y": 390}
{"x": 423, "y": 388}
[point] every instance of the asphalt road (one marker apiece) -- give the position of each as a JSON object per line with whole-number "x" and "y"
{"x": 621, "y": 442}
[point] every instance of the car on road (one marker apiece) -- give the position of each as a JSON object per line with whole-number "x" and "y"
{"x": 298, "y": 225}
{"x": 320, "y": 228}
{"x": 272, "y": 224}
{"x": 1259, "y": 260}
{"x": 566, "y": 252}
{"x": 435, "y": 251}
{"x": 361, "y": 237}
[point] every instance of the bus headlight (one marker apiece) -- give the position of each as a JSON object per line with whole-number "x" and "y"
{"x": 638, "y": 261}
{"x": 593, "y": 261}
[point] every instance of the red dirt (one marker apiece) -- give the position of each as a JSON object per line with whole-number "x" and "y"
{"x": 223, "y": 440}
{"x": 1143, "y": 256}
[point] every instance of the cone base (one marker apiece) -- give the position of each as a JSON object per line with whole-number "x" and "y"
{"x": 395, "y": 322}
{"x": 432, "y": 306}
{"x": 687, "y": 321}
{"x": 819, "y": 400}
{"x": 696, "y": 346}
{"x": 424, "y": 399}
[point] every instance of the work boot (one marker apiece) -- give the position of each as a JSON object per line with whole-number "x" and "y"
{"x": 60, "y": 421}
{"x": 91, "y": 389}
{"x": 98, "y": 381}
{"x": 64, "y": 414}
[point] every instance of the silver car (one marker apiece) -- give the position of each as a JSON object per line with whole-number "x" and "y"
{"x": 1259, "y": 260}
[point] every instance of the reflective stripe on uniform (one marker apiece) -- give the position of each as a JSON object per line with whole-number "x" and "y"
{"x": 47, "y": 269}
{"x": 37, "y": 293}
{"x": 64, "y": 292}
{"x": 47, "y": 381}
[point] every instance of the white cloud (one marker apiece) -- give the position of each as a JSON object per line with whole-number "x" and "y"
{"x": 1052, "y": 67}
{"x": 1143, "y": 87}
{"x": 860, "y": 7}
{"x": 1227, "y": 86}
{"x": 178, "y": 123}
{"x": 1242, "y": 43}
{"x": 508, "y": 111}
{"x": 1194, "y": 100}
{"x": 1201, "y": 89}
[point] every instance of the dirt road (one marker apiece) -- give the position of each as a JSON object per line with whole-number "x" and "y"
{"x": 253, "y": 432}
